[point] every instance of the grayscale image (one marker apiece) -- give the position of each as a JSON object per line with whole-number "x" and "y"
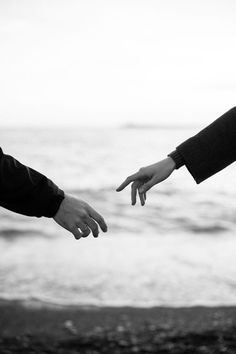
{"x": 117, "y": 177}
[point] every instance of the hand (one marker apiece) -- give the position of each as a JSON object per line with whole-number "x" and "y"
{"x": 79, "y": 218}
{"x": 147, "y": 177}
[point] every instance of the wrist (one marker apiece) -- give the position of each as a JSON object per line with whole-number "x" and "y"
{"x": 176, "y": 158}
{"x": 171, "y": 163}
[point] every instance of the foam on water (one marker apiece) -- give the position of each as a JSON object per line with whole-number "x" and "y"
{"x": 172, "y": 271}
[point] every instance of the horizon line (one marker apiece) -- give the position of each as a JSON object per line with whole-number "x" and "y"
{"x": 102, "y": 126}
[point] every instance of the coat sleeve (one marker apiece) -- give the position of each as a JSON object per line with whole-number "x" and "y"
{"x": 26, "y": 191}
{"x": 212, "y": 149}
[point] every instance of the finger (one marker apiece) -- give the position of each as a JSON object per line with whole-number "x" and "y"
{"x": 84, "y": 229}
{"x": 128, "y": 181}
{"x": 145, "y": 196}
{"x": 148, "y": 185}
{"x": 77, "y": 234}
{"x": 93, "y": 226}
{"x": 141, "y": 197}
{"x": 134, "y": 188}
{"x": 97, "y": 217}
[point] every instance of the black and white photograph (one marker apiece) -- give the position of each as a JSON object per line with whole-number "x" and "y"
{"x": 117, "y": 177}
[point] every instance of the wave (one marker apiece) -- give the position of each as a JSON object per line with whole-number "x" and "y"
{"x": 12, "y": 233}
{"x": 168, "y": 211}
{"x": 207, "y": 229}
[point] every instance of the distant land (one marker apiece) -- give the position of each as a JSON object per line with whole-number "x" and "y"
{"x": 159, "y": 126}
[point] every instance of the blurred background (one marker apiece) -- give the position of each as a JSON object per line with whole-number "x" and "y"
{"x": 90, "y": 92}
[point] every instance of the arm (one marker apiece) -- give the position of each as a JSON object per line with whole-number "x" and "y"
{"x": 28, "y": 192}
{"x": 211, "y": 150}
{"x": 204, "y": 154}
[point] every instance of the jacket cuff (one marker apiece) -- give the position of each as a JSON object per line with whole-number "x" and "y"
{"x": 54, "y": 204}
{"x": 178, "y": 159}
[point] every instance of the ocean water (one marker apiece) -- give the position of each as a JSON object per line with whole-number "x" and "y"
{"x": 178, "y": 250}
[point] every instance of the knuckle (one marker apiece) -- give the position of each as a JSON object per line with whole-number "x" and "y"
{"x": 100, "y": 219}
{"x": 96, "y": 229}
{"x": 93, "y": 228}
{"x": 83, "y": 214}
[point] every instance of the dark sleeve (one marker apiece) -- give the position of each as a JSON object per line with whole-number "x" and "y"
{"x": 212, "y": 149}
{"x": 26, "y": 191}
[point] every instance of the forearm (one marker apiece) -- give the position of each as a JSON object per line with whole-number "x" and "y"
{"x": 26, "y": 191}
{"x": 211, "y": 150}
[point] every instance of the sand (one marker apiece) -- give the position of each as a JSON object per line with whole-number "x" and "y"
{"x": 123, "y": 330}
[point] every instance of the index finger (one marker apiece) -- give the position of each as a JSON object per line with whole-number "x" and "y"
{"x": 128, "y": 181}
{"x": 97, "y": 217}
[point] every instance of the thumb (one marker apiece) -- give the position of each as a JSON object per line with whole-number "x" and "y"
{"x": 146, "y": 186}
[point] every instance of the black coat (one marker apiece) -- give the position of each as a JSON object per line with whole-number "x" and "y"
{"x": 212, "y": 149}
{"x": 26, "y": 191}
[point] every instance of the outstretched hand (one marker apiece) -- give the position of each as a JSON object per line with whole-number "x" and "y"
{"x": 147, "y": 177}
{"x": 79, "y": 218}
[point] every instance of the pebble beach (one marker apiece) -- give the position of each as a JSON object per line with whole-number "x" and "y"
{"x": 123, "y": 330}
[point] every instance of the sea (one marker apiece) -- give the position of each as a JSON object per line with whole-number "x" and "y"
{"x": 177, "y": 250}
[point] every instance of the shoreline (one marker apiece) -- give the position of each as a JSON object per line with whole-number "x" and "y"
{"x": 116, "y": 329}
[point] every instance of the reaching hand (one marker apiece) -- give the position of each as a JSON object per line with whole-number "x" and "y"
{"x": 79, "y": 218}
{"x": 147, "y": 177}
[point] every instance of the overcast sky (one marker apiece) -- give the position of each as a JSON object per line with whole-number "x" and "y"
{"x": 96, "y": 62}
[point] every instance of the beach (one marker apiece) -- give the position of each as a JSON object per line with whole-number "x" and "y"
{"x": 54, "y": 329}
{"x": 162, "y": 280}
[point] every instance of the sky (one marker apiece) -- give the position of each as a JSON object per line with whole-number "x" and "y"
{"x": 111, "y": 62}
